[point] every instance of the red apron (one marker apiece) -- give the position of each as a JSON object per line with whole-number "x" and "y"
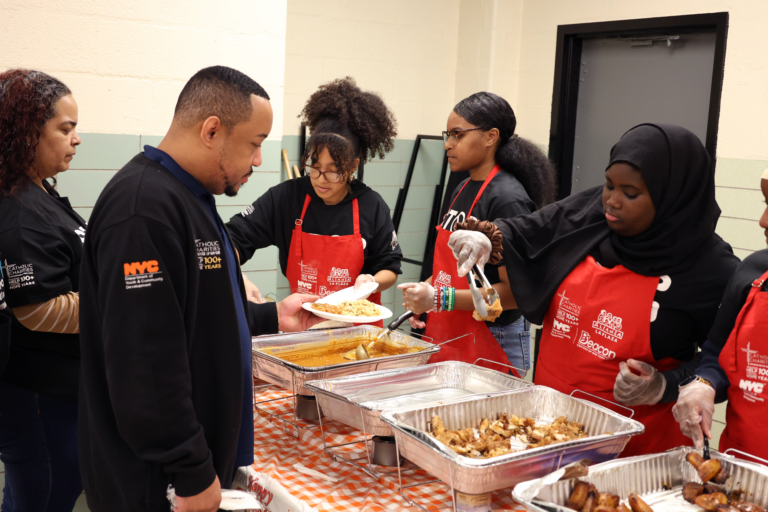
{"x": 450, "y": 324}
{"x": 599, "y": 317}
{"x": 745, "y": 360}
{"x": 321, "y": 264}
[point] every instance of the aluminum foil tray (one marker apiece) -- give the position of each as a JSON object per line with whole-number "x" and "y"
{"x": 609, "y": 434}
{"x": 358, "y": 400}
{"x": 292, "y": 376}
{"x": 657, "y": 478}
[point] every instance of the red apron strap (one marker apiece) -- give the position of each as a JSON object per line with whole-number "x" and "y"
{"x": 297, "y": 229}
{"x": 757, "y": 285}
{"x": 307, "y": 200}
{"x": 488, "y": 179}
{"x": 355, "y": 216}
{"x": 460, "y": 191}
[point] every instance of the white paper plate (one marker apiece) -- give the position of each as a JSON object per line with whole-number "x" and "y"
{"x": 365, "y": 291}
{"x": 385, "y": 313}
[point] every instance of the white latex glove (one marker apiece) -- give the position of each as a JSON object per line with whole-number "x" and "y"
{"x": 252, "y": 292}
{"x": 644, "y": 389}
{"x": 363, "y": 278}
{"x": 418, "y": 297}
{"x": 416, "y": 323}
{"x": 470, "y": 248}
{"x": 693, "y": 411}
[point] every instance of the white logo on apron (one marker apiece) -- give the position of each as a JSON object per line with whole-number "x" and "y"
{"x": 586, "y": 343}
{"x": 757, "y": 369}
{"x": 608, "y": 326}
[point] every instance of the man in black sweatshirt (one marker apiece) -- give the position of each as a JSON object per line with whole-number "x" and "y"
{"x": 165, "y": 330}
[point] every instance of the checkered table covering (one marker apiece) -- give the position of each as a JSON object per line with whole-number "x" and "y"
{"x": 276, "y": 452}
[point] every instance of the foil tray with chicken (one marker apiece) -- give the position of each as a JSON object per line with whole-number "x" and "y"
{"x": 709, "y": 495}
{"x": 507, "y": 434}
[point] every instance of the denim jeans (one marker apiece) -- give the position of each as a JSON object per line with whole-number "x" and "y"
{"x": 38, "y": 446}
{"x": 515, "y": 340}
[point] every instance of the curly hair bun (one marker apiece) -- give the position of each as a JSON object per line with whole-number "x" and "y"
{"x": 341, "y": 110}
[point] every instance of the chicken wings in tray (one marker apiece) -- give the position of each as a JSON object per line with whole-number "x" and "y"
{"x": 508, "y": 434}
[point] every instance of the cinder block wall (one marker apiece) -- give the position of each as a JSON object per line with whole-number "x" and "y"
{"x": 126, "y": 64}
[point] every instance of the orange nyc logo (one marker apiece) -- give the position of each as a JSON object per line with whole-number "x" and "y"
{"x": 139, "y": 267}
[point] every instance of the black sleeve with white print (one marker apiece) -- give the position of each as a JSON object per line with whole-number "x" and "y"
{"x": 42, "y": 242}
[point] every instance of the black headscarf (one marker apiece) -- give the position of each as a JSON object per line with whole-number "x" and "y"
{"x": 541, "y": 249}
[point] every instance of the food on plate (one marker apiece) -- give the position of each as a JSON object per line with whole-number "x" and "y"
{"x": 334, "y": 351}
{"x": 709, "y": 470}
{"x": 494, "y": 311}
{"x": 506, "y": 435}
{"x": 360, "y": 307}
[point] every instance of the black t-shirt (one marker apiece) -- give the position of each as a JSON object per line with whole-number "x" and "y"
{"x": 503, "y": 198}
{"x": 754, "y": 266}
{"x": 41, "y": 240}
{"x": 271, "y": 218}
{"x": 685, "y": 305}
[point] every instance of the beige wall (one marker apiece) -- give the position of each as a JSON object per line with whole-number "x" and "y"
{"x": 742, "y": 132}
{"x": 126, "y": 62}
{"x": 488, "y": 57}
{"x": 742, "y": 148}
{"x": 403, "y": 49}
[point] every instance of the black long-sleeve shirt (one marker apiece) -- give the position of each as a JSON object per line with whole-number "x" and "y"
{"x": 271, "y": 218}
{"x": 161, "y": 387}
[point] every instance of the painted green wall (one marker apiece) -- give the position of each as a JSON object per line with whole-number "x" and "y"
{"x": 100, "y": 156}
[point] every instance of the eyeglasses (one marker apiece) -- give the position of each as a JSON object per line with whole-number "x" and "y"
{"x": 453, "y": 135}
{"x": 330, "y": 176}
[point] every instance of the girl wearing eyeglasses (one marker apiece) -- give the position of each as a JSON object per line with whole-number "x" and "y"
{"x": 331, "y": 230}
{"x": 509, "y": 176}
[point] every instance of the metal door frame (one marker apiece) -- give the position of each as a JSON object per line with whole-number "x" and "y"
{"x": 565, "y": 93}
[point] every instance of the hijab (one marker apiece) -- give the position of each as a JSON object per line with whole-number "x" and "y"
{"x": 541, "y": 249}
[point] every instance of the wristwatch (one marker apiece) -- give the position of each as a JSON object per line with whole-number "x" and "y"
{"x": 694, "y": 378}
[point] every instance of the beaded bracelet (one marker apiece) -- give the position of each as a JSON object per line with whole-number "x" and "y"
{"x": 437, "y": 300}
{"x": 451, "y": 299}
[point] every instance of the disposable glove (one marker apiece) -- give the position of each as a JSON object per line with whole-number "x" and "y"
{"x": 363, "y": 278}
{"x": 470, "y": 248}
{"x": 418, "y": 297}
{"x": 694, "y": 410}
{"x": 644, "y": 389}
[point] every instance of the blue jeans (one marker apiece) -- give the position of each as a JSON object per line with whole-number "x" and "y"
{"x": 515, "y": 340}
{"x": 38, "y": 446}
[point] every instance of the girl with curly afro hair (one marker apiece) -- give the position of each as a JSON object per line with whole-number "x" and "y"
{"x": 41, "y": 245}
{"x": 509, "y": 176}
{"x": 331, "y": 230}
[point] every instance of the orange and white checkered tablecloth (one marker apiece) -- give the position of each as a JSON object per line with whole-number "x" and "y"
{"x": 276, "y": 452}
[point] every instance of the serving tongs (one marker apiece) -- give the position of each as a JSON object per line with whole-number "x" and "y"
{"x": 481, "y": 306}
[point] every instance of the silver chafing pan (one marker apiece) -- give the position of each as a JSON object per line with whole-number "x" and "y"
{"x": 657, "y": 478}
{"x": 609, "y": 433}
{"x": 293, "y": 377}
{"x": 358, "y": 400}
